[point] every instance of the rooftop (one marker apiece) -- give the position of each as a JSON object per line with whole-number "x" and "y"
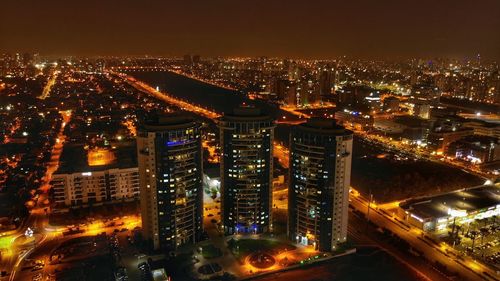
{"x": 162, "y": 122}
{"x": 75, "y": 159}
{"x": 246, "y": 113}
{"x": 468, "y": 200}
{"x": 480, "y": 141}
{"x": 323, "y": 126}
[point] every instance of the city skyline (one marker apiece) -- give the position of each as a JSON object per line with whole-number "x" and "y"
{"x": 247, "y": 166}
{"x": 235, "y": 140}
{"x": 296, "y": 29}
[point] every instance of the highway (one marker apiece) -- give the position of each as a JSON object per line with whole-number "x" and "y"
{"x": 464, "y": 266}
{"x": 177, "y": 71}
{"x": 143, "y": 87}
{"x": 51, "y": 82}
{"x": 398, "y": 146}
{"x": 194, "y": 77}
{"x": 364, "y": 235}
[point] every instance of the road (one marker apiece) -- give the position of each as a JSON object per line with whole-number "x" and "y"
{"x": 281, "y": 152}
{"x": 51, "y": 82}
{"x": 399, "y": 146}
{"x": 363, "y": 235}
{"x": 350, "y": 268}
{"x": 464, "y": 266}
{"x": 280, "y": 199}
{"x": 37, "y": 221}
{"x": 206, "y": 81}
{"x": 55, "y": 238}
{"x": 143, "y": 87}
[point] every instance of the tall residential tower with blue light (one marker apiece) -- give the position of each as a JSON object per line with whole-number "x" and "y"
{"x": 170, "y": 172}
{"x": 246, "y": 137}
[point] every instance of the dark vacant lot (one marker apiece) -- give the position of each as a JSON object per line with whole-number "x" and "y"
{"x": 394, "y": 177}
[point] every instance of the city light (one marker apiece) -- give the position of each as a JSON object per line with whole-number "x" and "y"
{"x": 199, "y": 146}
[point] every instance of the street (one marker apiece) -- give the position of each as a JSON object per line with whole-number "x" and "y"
{"x": 464, "y": 266}
{"x": 22, "y": 246}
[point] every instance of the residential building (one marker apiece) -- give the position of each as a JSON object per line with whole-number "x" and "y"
{"x": 246, "y": 137}
{"x": 320, "y": 175}
{"x": 170, "y": 172}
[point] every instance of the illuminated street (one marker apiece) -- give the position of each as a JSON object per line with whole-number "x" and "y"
{"x": 465, "y": 266}
{"x": 49, "y": 85}
{"x": 235, "y": 140}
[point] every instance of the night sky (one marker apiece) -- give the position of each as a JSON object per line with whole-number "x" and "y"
{"x": 293, "y": 28}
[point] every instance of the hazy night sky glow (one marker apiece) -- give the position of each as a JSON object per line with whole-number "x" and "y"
{"x": 309, "y": 29}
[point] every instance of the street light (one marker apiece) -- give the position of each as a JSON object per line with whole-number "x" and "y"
{"x": 369, "y": 203}
{"x": 28, "y": 233}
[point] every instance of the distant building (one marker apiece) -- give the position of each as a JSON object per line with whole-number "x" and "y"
{"x": 196, "y": 59}
{"x": 170, "y": 169}
{"x": 327, "y": 80}
{"x": 436, "y": 213}
{"x": 372, "y": 100}
{"x": 440, "y": 140}
{"x": 320, "y": 175}
{"x": 483, "y": 128}
{"x": 388, "y": 126}
{"x": 476, "y": 149}
{"x": 246, "y": 170}
{"x": 426, "y": 93}
{"x": 293, "y": 70}
{"x": 310, "y": 93}
{"x": 355, "y": 119}
{"x": 82, "y": 181}
{"x": 422, "y": 110}
{"x": 391, "y": 104}
{"x": 286, "y": 91}
{"x": 188, "y": 60}
{"x": 414, "y": 128}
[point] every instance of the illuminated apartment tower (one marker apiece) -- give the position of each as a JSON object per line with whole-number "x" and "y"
{"x": 320, "y": 174}
{"x": 246, "y": 170}
{"x": 170, "y": 173}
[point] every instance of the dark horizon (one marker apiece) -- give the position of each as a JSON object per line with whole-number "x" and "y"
{"x": 297, "y": 29}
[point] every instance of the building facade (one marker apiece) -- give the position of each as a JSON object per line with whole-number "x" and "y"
{"x": 440, "y": 140}
{"x": 170, "y": 172}
{"x": 475, "y": 149}
{"x": 94, "y": 188}
{"x": 246, "y": 171}
{"x": 320, "y": 174}
{"x": 422, "y": 110}
{"x": 356, "y": 120}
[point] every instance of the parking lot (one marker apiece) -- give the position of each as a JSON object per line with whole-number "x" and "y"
{"x": 481, "y": 239}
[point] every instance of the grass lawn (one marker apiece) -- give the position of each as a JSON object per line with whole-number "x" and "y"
{"x": 210, "y": 252}
{"x": 243, "y": 247}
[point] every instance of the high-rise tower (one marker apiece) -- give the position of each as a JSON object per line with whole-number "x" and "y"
{"x": 246, "y": 170}
{"x": 170, "y": 173}
{"x": 320, "y": 174}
